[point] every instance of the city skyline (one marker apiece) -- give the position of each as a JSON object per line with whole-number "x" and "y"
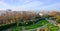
{"x": 30, "y": 4}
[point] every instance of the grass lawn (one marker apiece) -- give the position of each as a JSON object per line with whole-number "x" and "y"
{"x": 39, "y": 24}
{"x": 51, "y": 27}
{"x": 16, "y": 29}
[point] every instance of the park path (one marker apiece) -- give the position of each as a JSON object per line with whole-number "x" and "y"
{"x": 59, "y": 30}
{"x": 23, "y": 28}
{"x": 51, "y": 21}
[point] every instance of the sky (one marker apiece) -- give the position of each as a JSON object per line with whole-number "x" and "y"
{"x": 30, "y": 4}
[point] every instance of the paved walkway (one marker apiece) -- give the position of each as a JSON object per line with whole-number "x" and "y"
{"x": 59, "y": 30}
{"x": 51, "y": 21}
{"x": 23, "y": 28}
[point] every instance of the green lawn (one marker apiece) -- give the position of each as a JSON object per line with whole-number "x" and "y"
{"x": 16, "y": 29}
{"x": 39, "y": 24}
{"x": 52, "y": 27}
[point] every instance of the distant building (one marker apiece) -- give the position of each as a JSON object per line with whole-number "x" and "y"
{"x": 41, "y": 14}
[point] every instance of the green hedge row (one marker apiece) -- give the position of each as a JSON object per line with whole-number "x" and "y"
{"x": 4, "y": 27}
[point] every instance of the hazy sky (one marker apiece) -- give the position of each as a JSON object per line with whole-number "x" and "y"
{"x": 30, "y": 4}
